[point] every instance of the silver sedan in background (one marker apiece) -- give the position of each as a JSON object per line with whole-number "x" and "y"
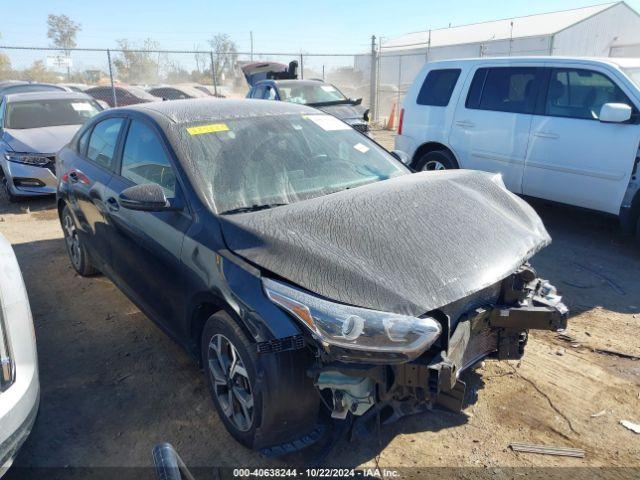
{"x": 33, "y": 127}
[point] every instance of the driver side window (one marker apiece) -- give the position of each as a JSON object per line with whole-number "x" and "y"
{"x": 144, "y": 159}
{"x": 577, "y": 93}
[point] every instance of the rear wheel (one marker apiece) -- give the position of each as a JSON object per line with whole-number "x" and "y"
{"x": 264, "y": 400}
{"x": 78, "y": 254}
{"x": 436, "y": 160}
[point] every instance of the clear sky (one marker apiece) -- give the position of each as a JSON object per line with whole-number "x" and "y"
{"x": 318, "y": 26}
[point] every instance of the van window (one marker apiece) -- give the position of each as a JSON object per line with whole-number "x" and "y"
{"x": 577, "y": 93}
{"x": 438, "y": 87}
{"x": 505, "y": 89}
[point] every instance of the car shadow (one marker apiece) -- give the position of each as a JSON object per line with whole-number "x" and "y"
{"x": 26, "y": 205}
{"x": 591, "y": 261}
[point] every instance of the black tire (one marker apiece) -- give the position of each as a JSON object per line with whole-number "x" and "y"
{"x": 284, "y": 401}
{"x": 436, "y": 160}
{"x": 80, "y": 260}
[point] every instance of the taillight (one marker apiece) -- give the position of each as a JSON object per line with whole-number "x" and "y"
{"x": 400, "y": 120}
{"x": 7, "y": 369}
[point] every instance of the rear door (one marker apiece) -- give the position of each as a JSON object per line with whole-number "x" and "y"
{"x": 490, "y": 130}
{"x": 147, "y": 245}
{"x": 572, "y": 157}
{"x": 87, "y": 178}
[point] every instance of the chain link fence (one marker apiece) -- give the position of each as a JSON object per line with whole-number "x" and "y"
{"x": 103, "y": 71}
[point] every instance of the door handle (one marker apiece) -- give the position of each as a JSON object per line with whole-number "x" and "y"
{"x": 549, "y": 135}
{"x": 112, "y": 204}
{"x": 465, "y": 123}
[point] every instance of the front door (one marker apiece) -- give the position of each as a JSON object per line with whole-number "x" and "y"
{"x": 574, "y": 158}
{"x": 146, "y": 246}
{"x": 490, "y": 130}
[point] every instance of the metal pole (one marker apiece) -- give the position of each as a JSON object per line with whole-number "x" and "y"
{"x": 113, "y": 87}
{"x": 399, "y": 83}
{"x": 373, "y": 88}
{"x": 213, "y": 74}
{"x": 301, "y": 68}
{"x": 251, "y": 36}
{"x": 322, "y": 72}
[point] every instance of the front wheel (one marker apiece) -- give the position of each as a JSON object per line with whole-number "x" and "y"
{"x": 77, "y": 251}
{"x": 264, "y": 400}
{"x": 436, "y": 160}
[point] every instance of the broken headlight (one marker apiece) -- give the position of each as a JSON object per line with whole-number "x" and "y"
{"x": 354, "y": 327}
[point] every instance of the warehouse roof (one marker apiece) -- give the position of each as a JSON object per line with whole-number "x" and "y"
{"x": 528, "y": 26}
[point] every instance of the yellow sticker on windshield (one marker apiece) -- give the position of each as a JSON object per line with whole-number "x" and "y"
{"x": 212, "y": 128}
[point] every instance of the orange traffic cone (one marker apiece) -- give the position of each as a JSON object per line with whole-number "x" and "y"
{"x": 392, "y": 118}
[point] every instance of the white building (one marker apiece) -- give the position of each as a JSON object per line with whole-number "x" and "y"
{"x": 610, "y": 29}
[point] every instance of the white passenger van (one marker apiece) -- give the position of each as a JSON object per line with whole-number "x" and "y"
{"x": 562, "y": 129}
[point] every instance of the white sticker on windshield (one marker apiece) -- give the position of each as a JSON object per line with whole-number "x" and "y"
{"x": 361, "y": 148}
{"x": 328, "y": 88}
{"x": 81, "y": 106}
{"x": 327, "y": 122}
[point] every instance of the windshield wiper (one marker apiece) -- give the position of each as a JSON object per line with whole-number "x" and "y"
{"x": 252, "y": 208}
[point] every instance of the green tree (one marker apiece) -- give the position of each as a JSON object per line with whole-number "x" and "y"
{"x": 225, "y": 55}
{"x": 137, "y": 64}
{"x": 62, "y": 30}
{"x": 39, "y": 73}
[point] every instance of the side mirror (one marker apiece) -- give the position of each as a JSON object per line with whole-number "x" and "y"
{"x": 402, "y": 156}
{"x": 615, "y": 113}
{"x": 148, "y": 197}
{"x": 365, "y": 115}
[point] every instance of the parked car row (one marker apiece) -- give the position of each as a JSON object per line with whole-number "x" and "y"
{"x": 560, "y": 129}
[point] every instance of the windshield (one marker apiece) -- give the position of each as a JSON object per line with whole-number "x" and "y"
{"x": 140, "y": 93}
{"x": 49, "y": 113}
{"x": 308, "y": 94}
{"x": 259, "y": 162}
{"x": 633, "y": 74}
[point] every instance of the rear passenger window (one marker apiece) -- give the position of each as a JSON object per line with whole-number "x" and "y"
{"x": 577, "y": 93}
{"x": 102, "y": 144}
{"x": 438, "y": 87}
{"x": 505, "y": 89}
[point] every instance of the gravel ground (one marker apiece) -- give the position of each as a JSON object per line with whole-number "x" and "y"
{"x": 113, "y": 385}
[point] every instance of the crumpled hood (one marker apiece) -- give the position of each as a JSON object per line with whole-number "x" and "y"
{"x": 40, "y": 140}
{"x": 344, "y": 111}
{"x": 408, "y": 245}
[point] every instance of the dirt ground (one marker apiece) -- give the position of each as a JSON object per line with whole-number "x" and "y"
{"x": 113, "y": 385}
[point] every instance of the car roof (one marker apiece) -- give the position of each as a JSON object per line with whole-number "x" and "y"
{"x": 213, "y": 109}
{"x": 31, "y": 96}
{"x": 615, "y": 62}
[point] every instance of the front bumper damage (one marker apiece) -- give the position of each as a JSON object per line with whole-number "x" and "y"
{"x": 496, "y": 326}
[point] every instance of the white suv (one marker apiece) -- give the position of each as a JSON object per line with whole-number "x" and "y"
{"x": 19, "y": 385}
{"x": 563, "y": 129}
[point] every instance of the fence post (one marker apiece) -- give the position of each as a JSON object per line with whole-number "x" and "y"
{"x": 113, "y": 87}
{"x": 373, "y": 88}
{"x": 397, "y": 112}
{"x": 213, "y": 74}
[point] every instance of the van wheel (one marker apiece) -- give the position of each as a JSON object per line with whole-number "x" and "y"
{"x": 436, "y": 160}
{"x": 75, "y": 248}
{"x": 263, "y": 399}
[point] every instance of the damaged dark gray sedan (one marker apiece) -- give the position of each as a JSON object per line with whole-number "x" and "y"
{"x": 306, "y": 268}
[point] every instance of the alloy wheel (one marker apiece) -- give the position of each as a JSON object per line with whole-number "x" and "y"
{"x": 73, "y": 241}
{"x": 230, "y": 382}
{"x": 433, "y": 165}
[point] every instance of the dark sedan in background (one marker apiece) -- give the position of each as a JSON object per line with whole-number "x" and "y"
{"x": 304, "y": 265}
{"x": 125, "y": 95}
